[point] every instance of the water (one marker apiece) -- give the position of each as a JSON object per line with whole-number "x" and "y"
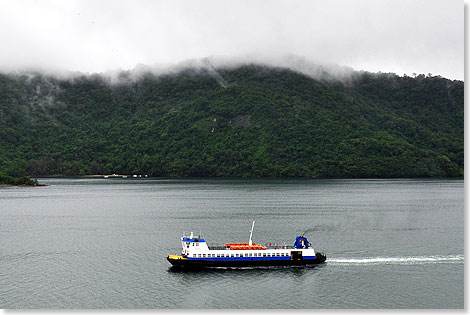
{"x": 102, "y": 243}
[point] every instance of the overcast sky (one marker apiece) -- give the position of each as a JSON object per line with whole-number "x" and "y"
{"x": 401, "y": 36}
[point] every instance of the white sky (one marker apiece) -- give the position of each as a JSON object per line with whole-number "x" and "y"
{"x": 401, "y": 36}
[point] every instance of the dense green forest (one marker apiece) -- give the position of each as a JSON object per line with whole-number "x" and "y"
{"x": 261, "y": 122}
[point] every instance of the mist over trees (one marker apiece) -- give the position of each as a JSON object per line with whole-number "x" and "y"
{"x": 261, "y": 122}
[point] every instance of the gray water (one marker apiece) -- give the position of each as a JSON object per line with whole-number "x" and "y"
{"x": 102, "y": 243}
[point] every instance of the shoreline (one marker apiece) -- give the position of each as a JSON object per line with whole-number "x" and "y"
{"x": 23, "y": 185}
{"x": 102, "y": 176}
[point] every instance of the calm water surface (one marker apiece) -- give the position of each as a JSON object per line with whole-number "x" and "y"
{"x": 102, "y": 243}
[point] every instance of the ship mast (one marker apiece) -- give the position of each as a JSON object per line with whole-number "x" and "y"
{"x": 251, "y": 233}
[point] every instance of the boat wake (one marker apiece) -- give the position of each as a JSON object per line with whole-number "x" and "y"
{"x": 398, "y": 260}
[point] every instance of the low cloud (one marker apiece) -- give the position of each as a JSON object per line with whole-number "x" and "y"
{"x": 400, "y": 36}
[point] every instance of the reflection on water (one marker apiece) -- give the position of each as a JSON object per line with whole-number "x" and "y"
{"x": 258, "y": 271}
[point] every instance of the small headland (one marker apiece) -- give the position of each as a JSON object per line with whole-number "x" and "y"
{"x": 6, "y": 180}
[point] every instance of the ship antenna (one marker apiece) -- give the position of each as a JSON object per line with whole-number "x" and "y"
{"x": 307, "y": 231}
{"x": 251, "y": 233}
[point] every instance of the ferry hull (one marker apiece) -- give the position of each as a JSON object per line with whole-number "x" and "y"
{"x": 179, "y": 261}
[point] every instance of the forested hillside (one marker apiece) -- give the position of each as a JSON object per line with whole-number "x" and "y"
{"x": 250, "y": 121}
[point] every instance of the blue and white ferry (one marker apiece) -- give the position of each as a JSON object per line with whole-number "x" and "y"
{"x": 197, "y": 253}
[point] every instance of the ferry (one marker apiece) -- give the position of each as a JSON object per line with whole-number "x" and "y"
{"x": 196, "y": 253}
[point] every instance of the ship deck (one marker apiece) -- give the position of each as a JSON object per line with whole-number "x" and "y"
{"x": 273, "y": 246}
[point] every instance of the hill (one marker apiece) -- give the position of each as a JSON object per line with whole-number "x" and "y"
{"x": 249, "y": 121}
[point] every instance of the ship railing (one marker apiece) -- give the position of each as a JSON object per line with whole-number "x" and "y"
{"x": 279, "y": 246}
{"x": 217, "y": 247}
{"x": 272, "y": 246}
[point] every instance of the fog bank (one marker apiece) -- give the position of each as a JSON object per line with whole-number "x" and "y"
{"x": 401, "y": 36}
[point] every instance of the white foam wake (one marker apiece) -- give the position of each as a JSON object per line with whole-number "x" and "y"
{"x": 398, "y": 260}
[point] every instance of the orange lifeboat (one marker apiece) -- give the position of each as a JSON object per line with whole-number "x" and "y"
{"x": 244, "y": 246}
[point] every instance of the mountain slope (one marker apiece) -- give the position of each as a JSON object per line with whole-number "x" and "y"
{"x": 261, "y": 122}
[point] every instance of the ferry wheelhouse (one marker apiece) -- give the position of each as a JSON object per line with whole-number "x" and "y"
{"x": 197, "y": 253}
